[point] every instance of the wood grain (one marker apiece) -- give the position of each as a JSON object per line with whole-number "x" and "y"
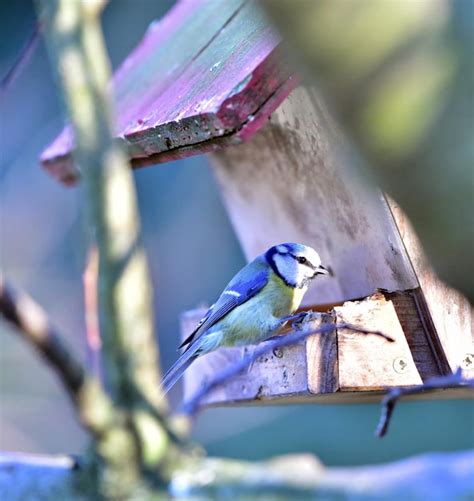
{"x": 335, "y": 367}
{"x": 322, "y": 359}
{"x": 289, "y": 183}
{"x": 450, "y": 314}
{"x": 201, "y": 78}
{"x": 368, "y": 362}
{"x": 429, "y": 357}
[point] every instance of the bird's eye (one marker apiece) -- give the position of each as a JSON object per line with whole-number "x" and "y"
{"x": 302, "y": 260}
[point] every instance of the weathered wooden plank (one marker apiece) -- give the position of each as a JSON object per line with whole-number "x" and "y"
{"x": 369, "y": 362}
{"x": 335, "y": 368}
{"x": 322, "y": 359}
{"x": 342, "y": 367}
{"x": 430, "y": 359}
{"x": 204, "y": 73}
{"x": 290, "y": 184}
{"x": 452, "y": 331}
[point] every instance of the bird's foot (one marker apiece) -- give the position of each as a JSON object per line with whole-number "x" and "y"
{"x": 298, "y": 319}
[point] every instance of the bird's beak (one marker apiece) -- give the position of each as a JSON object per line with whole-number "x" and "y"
{"x": 321, "y": 270}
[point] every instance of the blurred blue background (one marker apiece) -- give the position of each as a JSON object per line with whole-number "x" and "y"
{"x": 43, "y": 248}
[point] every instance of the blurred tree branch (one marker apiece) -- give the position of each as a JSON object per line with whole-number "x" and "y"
{"x": 282, "y": 478}
{"x": 75, "y": 41}
{"x": 135, "y": 450}
{"x": 91, "y": 310}
{"x": 29, "y": 319}
{"x": 449, "y": 475}
{"x": 33, "y": 324}
{"x": 399, "y": 76}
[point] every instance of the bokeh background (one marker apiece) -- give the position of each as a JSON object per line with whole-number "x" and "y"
{"x": 192, "y": 252}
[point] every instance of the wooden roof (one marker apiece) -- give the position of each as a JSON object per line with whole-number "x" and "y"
{"x": 201, "y": 78}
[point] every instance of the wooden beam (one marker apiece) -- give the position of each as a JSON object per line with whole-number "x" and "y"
{"x": 322, "y": 363}
{"x": 428, "y": 355}
{"x": 290, "y": 183}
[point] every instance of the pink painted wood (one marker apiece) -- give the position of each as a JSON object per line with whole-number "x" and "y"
{"x": 200, "y": 79}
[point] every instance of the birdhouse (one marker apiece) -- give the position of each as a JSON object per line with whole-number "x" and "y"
{"x": 213, "y": 81}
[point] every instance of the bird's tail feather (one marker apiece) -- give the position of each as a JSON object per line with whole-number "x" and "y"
{"x": 178, "y": 368}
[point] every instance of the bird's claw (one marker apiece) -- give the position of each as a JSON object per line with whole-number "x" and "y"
{"x": 298, "y": 319}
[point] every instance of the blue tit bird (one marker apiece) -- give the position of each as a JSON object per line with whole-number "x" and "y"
{"x": 253, "y": 305}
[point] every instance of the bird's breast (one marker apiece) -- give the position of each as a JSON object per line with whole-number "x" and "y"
{"x": 282, "y": 298}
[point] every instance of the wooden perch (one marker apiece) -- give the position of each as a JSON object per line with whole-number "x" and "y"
{"x": 338, "y": 366}
{"x": 311, "y": 326}
{"x": 200, "y": 79}
{"x": 304, "y": 190}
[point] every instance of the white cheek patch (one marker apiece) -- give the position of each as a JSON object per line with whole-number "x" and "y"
{"x": 232, "y": 293}
{"x": 295, "y": 274}
{"x": 288, "y": 268}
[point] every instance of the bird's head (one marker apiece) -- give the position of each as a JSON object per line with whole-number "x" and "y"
{"x": 296, "y": 264}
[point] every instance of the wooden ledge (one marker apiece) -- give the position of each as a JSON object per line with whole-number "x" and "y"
{"x": 340, "y": 367}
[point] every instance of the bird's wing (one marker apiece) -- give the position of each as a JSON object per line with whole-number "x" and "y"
{"x": 241, "y": 288}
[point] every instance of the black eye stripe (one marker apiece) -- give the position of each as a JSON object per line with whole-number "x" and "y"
{"x": 302, "y": 260}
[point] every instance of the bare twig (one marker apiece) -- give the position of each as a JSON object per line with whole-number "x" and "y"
{"x": 23, "y": 57}
{"x": 32, "y": 322}
{"x": 454, "y": 380}
{"x": 192, "y": 406}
